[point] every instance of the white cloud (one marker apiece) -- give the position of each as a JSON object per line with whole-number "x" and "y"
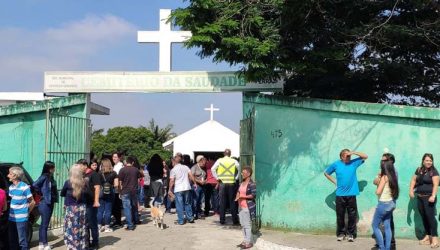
{"x": 26, "y": 54}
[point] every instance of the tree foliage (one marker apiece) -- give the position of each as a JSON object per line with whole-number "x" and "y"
{"x": 141, "y": 142}
{"x": 161, "y": 134}
{"x": 374, "y": 51}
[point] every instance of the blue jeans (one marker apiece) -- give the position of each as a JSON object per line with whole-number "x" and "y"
{"x": 197, "y": 195}
{"x": 18, "y": 235}
{"x": 92, "y": 221}
{"x": 383, "y": 213}
{"x": 183, "y": 204}
{"x": 129, "y": 202}
{"x": 141, "y": 195}
{"x": 105, "y": 209}
{"x": 45, "y": 212}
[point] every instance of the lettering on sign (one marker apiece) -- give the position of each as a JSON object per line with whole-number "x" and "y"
{"x": 86, "y": 82}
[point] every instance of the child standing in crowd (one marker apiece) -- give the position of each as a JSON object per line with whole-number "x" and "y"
{"x": 21, "y": 204}
{"x": 75, "y": 222}
{"x": 247, "y": 208}
{"x": 47, "y": 186}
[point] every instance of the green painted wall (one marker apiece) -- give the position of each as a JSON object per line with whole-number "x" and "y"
{"x": 296, "y": 139}
{"x": 23, "y": 129}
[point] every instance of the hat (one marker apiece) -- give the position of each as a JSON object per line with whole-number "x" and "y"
{"x": 199, "y": 158}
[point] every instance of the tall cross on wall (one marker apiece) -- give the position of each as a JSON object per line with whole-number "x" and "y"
{"x": 165, "y": 37}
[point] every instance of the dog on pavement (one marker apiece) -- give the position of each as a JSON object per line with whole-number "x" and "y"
{"x": 157, "y": 214}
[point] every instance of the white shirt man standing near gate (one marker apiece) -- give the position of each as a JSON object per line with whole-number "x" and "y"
{"x": 226, "y": 170}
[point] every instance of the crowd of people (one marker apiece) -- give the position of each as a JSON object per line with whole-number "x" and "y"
{"x": 97, "y": 193}
{"x": 423, "y": 187}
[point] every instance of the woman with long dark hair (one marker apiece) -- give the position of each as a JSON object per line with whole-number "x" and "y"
{"x": 47, "y": 186}
{"x": 155, "y": 170}
{"x": 424, "y": 184}
{"x": 387, "y": 192}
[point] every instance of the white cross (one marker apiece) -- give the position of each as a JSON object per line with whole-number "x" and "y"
{"x": 212, "y": 109}
{"x": 165, "y": 36}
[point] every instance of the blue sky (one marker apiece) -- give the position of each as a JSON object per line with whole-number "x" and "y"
{"x": 52, "y": 35}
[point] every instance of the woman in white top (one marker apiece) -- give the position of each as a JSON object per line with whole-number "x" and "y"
{"x": 388, "y": 192}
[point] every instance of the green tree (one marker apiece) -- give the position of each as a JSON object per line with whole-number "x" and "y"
{"x": 374, "y": 51}
{"x": 139, "y": 142}
{"x": 161, "y": 134}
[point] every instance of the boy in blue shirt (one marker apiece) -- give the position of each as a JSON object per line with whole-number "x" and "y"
{"x": 22, "y": 203}
{"x": 346, "y": 190}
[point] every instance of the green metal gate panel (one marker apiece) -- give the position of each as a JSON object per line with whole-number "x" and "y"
{"x": 247, "y": 142}
{"x": 23, "y": 129}
{"x": 67, "y": 142}
{"x": 247, "y": 154}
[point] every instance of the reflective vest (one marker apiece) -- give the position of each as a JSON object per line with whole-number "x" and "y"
{"x": 226, "y": 170}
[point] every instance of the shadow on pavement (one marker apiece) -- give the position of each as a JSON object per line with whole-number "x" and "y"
{"x": 108, "y": 240}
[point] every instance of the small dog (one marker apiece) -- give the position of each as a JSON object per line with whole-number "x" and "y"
{"x": 157, "y": 214}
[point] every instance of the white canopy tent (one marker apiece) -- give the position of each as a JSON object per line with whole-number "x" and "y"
{"x": 210, "y": 136}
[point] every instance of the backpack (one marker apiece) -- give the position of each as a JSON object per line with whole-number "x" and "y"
{"x": 106, "y": 187}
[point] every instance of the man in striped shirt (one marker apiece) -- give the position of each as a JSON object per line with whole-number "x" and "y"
{"x": 22, "y": 203}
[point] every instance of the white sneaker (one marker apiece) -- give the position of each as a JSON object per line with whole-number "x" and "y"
{"x": 341, "y": 237}
{"x": 108, "y": 229}
{"x": 350, "y": 238}
{"x": 40, "y": 247}
{"x": 100, "y": 228}
{"x": 47, "y": 248}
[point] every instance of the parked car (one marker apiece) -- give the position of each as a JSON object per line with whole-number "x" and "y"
{"x": 4, "y": 184}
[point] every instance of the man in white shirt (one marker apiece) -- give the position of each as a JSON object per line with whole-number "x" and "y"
{"x": 180, "y": 177}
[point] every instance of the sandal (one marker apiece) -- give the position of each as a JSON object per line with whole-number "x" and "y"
{"x": 247, "y": 246}
{"x": 436, "y": 245}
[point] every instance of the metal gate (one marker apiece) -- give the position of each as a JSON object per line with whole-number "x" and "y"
{"x": 247, "y": 157}
{"x": 67, "y": 140}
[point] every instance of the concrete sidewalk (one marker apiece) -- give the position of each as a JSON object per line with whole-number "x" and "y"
{"x": 326, "y": 242}
{"x": 209, "y": 234}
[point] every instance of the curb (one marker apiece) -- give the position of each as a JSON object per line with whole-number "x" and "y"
{"x": 267, "y": 245}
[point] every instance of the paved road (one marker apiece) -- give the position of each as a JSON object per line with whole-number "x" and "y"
{"x": 209, "y": 234}
{"x": 203, "y": 234}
